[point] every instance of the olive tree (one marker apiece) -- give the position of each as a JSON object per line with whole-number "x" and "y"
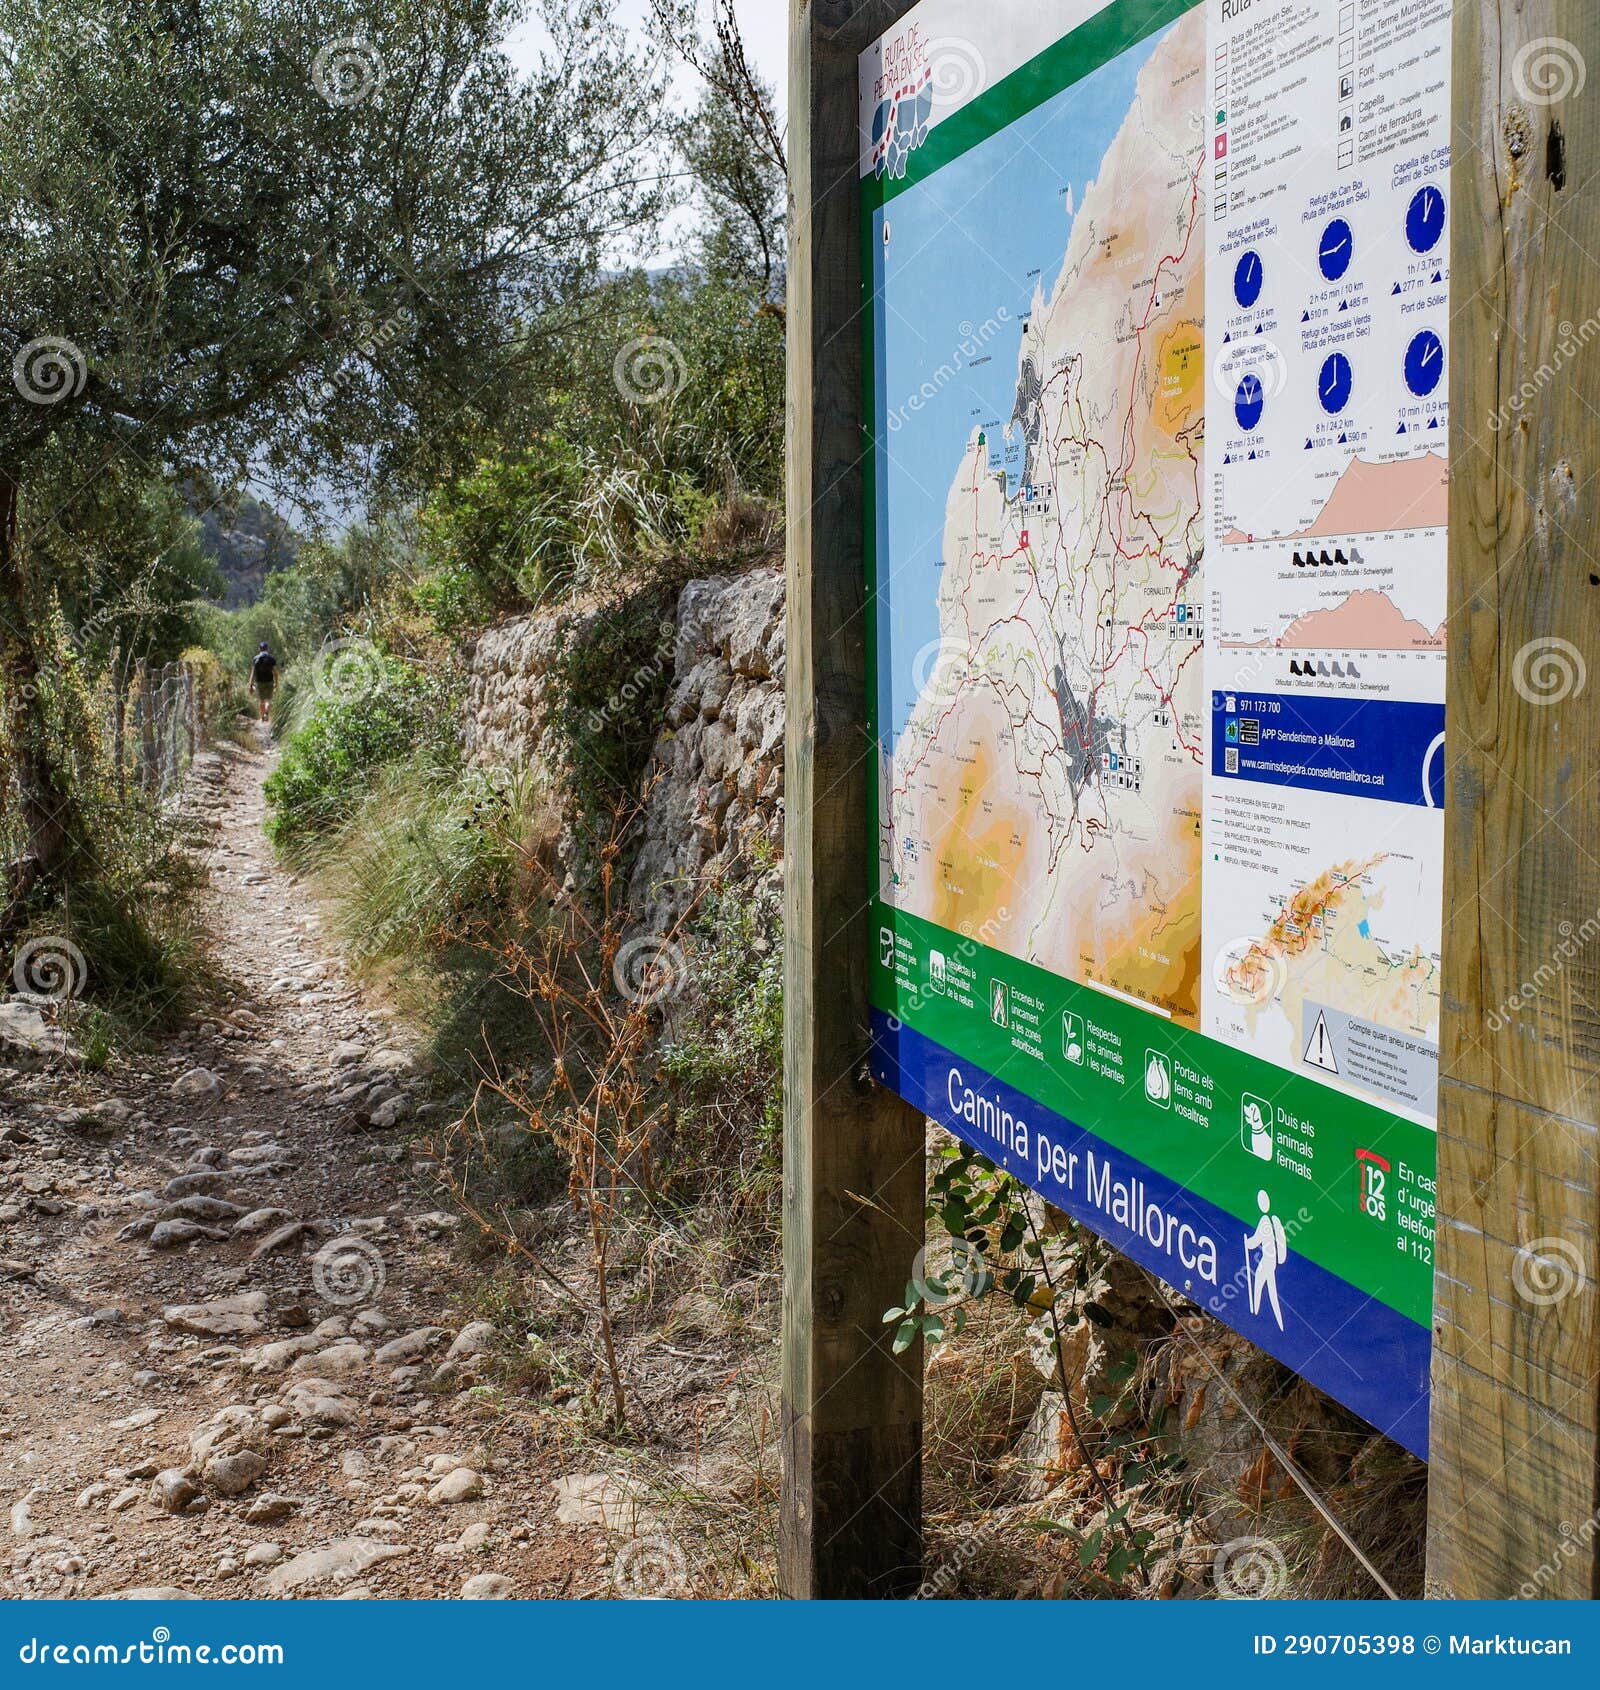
{"x": 285, "y": 237}
{"x": 733, "y": 144}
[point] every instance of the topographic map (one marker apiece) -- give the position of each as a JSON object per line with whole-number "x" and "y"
{"x": 1326, "y": 947}
{"x": 1043, "y": 786}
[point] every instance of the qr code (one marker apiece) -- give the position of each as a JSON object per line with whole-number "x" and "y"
{"x": 1230, "y": 760}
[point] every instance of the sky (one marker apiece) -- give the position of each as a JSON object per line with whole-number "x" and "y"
{"x": 764, "y": 24}
{"x": 765, "y": 27}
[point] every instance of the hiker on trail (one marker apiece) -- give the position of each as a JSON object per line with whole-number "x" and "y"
{"x": 263, "y": 678}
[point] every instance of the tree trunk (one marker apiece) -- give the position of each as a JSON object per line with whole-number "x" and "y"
{"x": 42, "y": 798}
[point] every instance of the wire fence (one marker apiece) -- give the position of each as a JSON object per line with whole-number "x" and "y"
{"x": 154, "y": 728}
{"x": 111, "y": 748}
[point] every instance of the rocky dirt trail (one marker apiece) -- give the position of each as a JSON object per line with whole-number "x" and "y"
{"x": 237, "y": 1356}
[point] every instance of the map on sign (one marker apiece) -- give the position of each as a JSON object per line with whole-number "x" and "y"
{"x": 1045, "y": 787}
{"x": 1157, "y": 492}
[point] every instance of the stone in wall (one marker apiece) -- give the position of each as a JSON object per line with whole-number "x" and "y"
{"x": 512, "y": 689}
{"x": 715, "y": 780}
{"x": 506, "y": 707}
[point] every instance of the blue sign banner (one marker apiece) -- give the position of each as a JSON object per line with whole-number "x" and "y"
{"x": 1351, "y": 1345}
{"x": 1358, "y": 748}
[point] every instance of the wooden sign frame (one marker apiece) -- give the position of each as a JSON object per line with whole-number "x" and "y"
{"x": 1515, "y": 1472}
{"x": 851, "y": 1521}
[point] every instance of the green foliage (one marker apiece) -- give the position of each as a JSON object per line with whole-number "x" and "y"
{"x": 214, "y": 691}
{"x": 332, "y": 582}
{"x": 128, "y": 911}
{"x": 432, "y": 877}
{"x": 997, "y": 1247}
{"x": 724, "y": 1050}
{"x": 644, "y": 420}
{"x": 281, "y": 231}
{"x": 118, "y": 557}
{"x": 611, "y": 667}
{"x": 742, "y": 190}
{"x": 500, "y": 537}
{"x": 141, "y": 940}
{"x": 1148, "y": 1468}
{"x": 375, "y": 712}
{"x": 682, "y": 377}
{"x": 139, "y": 964}
{"x": 732, "y": 144}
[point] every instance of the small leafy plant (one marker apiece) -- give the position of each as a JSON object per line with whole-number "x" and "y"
{"x": 998, "y": 1245}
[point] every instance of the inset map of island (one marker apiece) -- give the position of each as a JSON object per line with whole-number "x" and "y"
{"x": 1324, "y": 946}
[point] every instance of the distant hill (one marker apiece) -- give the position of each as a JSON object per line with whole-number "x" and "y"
{"x": 248, "y": 540}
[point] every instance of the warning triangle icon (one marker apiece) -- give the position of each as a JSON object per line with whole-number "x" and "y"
{"x": 1319, "y": 1048}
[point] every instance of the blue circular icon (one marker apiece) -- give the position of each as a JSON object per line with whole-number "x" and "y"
{"x": 1335, "y": 249}
{"x": 1248, "y": 402}
{"x": 1333, "y": 383}
{"x": 1247, "y": 279}
{"x": 1425, "y": 219}
{"x": 1424, "y": 363}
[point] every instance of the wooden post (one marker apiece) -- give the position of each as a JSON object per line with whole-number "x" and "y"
{"x": 190, "y": 729}
{"x": 169, "y": 728}
{"x": 119, "y": 727}
{"x": 853, "y": 1154}
{"x": 1516, "y": 1373}
{"x": 149, "y": 777}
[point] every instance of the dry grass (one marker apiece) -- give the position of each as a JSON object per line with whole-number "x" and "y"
{"x": 695, "y": 1335}
{"x": 699, "y": 1345}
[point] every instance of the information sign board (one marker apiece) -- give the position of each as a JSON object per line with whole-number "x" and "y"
{"x": 1156, "y": 320}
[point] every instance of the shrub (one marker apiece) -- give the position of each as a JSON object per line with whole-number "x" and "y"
{"x": 143, "y": 946}
{"x": 330, "y": 587}
{"x": 502, "y": 536}
{"x": 724, "y": 1049}
{"x": 612, "y": 668}
{"x": 213, "y": 686}
{"x": 431, "y": 856}
{"x": 372, "y": 713}
{"x": 127, "y": 922}
{"x": 655, "y": 427}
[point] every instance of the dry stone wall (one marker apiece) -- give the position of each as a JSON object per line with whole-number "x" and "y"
{"x": 714, "y": 780}
{"x": 505, "y": 706}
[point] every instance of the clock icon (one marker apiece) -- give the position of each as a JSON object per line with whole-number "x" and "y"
{"x": 1248, "y": 402}
{"x": 1425, "y": 219}
{"x": 1333, "y": 383}
{"x": 1424, "y": 363}
{"x": 1335, "y": 249}
{"x": 1247, "y": 279}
